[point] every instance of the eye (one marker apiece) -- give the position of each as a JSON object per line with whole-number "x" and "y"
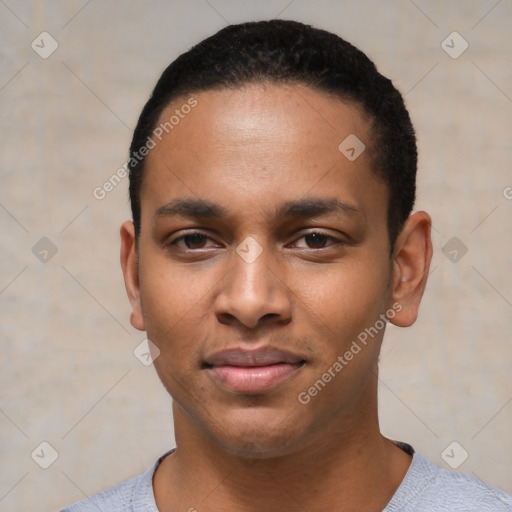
{"x": 192, "y": 241}
{"x": 316, "y": 240}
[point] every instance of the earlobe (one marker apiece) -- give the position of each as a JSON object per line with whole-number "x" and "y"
{"x": 411, "y": 263}
{"x": 130, "y": 266}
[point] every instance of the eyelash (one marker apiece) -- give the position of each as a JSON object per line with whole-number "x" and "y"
{"x": 336, "y": 241}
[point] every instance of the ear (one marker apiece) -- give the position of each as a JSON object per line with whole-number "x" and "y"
{"x": 130, "y": 266}
{"x": 411, "y": 263}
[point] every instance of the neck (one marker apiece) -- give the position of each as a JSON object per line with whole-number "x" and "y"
{"x": 340, "y": 469}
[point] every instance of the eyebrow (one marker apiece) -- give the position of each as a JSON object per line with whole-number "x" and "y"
{"x": 192, "y": 208}
{"x": 314, "y": 207}
{"x": 307, "y": 207}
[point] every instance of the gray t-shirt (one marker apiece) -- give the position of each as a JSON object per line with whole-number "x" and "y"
{"x": 425, "y": 488}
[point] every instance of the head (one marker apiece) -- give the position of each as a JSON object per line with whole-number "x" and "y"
{"x": 288, "y": 52}
{"x": 260, "y": 234}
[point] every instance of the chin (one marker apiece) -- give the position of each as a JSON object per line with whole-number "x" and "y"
{"x": 260, "y": 436}
{"x": 260, "y": 447}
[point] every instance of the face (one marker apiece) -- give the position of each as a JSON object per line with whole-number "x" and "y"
{"x": 263, "y": 255}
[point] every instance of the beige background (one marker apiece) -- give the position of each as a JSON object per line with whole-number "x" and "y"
{"x": 68, "y": 373}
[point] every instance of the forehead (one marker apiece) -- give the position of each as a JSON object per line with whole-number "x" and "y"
{"x": 287, "y": 114}
{"x": 260, "y": 141}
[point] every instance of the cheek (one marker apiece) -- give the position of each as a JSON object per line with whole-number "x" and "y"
{"x": 175, "y": 306}
{"x": 169, "y": 292}
{"x": 342, "y": 306}
{"x": 343, "y": 299}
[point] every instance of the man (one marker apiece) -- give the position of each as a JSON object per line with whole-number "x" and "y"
{"x": 272, "y": 179}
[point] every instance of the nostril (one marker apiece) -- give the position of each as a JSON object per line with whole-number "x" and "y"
{"x": 226, "y": 318}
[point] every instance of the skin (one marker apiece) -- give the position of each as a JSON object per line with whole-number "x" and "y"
{"x": 251, "y": 151}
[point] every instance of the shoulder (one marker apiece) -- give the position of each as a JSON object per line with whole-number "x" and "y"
{"x": 115, "y": 499}
{"x": 131, "y": 495}
{"x": 428, "y": 488}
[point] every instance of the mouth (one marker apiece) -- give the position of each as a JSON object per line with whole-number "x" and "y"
{"x": 252, "y": 371}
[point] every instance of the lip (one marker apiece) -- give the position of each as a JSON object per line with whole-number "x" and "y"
{"x": 252, "y": 371}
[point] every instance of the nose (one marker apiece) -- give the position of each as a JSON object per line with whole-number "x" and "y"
{"x": 253, "y": 293}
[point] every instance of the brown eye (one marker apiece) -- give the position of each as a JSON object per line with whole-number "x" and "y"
{"x": 316, "y": 240}
{"x": 195, "y": 241}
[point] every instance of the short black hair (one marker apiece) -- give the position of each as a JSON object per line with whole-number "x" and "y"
{"x": 284, "y": 51}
